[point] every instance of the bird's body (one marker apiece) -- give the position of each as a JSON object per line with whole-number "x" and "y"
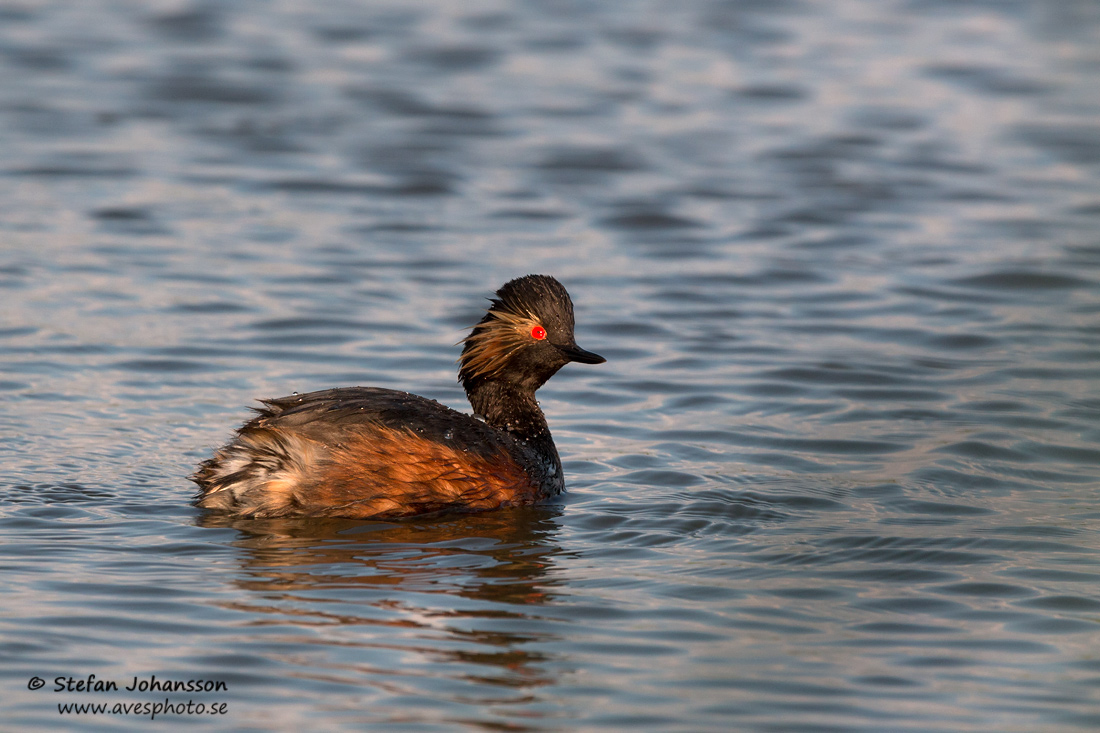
{"x": 366, "y": 452}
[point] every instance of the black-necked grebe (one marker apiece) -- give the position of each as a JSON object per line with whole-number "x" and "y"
{"x": 366, "y": 452}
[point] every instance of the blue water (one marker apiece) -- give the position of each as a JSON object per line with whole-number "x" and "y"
{"x": 840, "y": 473}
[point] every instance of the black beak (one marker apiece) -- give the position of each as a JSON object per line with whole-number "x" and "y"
{"x": 577, "y": 354}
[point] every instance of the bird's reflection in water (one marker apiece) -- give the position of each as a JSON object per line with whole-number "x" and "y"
{"x": 394, "y": 600}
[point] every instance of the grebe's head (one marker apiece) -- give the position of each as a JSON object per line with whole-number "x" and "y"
{"x": 525, "y": 338}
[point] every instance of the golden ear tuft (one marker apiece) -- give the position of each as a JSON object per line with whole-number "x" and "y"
{"x": 493, "y": 341}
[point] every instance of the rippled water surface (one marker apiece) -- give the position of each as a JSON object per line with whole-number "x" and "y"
{"x": 840, "y": 472}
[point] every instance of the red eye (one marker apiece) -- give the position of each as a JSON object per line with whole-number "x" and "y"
{"x": 538, "y": 332}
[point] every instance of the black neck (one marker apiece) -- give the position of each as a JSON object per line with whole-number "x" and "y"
{"x": 510, "y": 408}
